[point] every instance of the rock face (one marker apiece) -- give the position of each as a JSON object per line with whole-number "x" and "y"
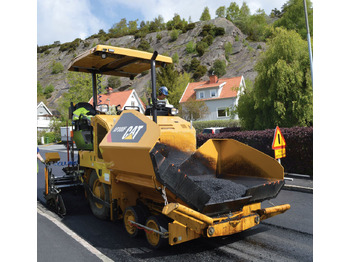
{"x": 240, "y": 62}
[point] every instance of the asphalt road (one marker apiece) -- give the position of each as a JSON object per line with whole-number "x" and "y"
{"x": 287, "y": 237}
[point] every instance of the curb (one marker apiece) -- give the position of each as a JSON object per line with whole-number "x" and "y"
{"x": 50, "y": 144}
{"x": 297, "y": 176}
{"x": 298, "y": 188}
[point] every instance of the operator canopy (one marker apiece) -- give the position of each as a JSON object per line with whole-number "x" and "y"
{"x": 116, "y": 61}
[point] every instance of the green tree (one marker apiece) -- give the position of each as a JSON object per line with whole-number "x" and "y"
{"x": 113, "y": 82}
{"x": 193, "y": 109}
{"x": 199, "y": 72}
{"x": 275, "y": 13}
{"x": 219, "y": 68}
{"x": 205, "y": 15}
{"x": 177, "y": 23}
{"x": 119, "y": 29}
{"x": 244, "y": 11}
{"x": 221, "y": 11}
{"x": 157, "y": 24}
{"x": 232, "y": 12}
{"x": 293, "y": 17}
{"x": 132, "y": 27}
{"x": 282, "y": 94}
{"x": 242, "y": 18}
{"x": 174, "y": 81}
{"x": 256, "y": 26}
{"x": 55, "y": 127}
{"x": 80, "y": 90}
{"x": 194, "y": 64}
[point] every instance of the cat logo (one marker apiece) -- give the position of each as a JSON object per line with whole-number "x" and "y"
{"x": 128, "y": 129}
{"x": 132, "y": 132}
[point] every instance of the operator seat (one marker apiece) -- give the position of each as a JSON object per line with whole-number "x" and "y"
{"x": 83, "y": 131}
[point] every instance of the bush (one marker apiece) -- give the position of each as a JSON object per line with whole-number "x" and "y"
{"x": 194, "y": 64}
{"x": 49, "y": 89}
{"x": 219, "y": 31}
{"x": 56, "y": 67}
{"x": 206, "y": 30}
{"x": 175, "y": 58}
{"x": 190, "y": 47}
{"x": 201, "y": 47}
{"x": 51, "y": 137}
{"x": 70, "y": 46}
{"x": 212, "y": 30}
{"x": 199, "y": 72}
{"x": 299, "y": 149}
{"x": 114, "y": 82}
{"x": 228, "y": 50}
{"x": 144, "y": 45}
{"x": 174, "y": 34}
{"x": 208, "y": 39}
{"x": 219, "y": 68}
{"x": 190, "y": 26}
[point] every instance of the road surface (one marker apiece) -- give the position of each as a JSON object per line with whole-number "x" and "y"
{"x": 287, "y": 237}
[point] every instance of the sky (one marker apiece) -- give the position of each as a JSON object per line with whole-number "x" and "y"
{"x": 66, "y": 20}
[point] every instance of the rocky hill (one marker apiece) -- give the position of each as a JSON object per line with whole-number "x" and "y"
{"x": 240, "y": 62}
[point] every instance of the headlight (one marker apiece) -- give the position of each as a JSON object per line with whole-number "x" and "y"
{"x": 174, "y": 111}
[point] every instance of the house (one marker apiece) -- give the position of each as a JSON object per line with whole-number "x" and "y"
{"x": 124, "y": 98}
{"x": 44, "y": 117}
{"x": 218, "y": 94}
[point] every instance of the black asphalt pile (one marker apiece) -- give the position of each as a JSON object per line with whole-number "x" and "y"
{"x": 197, "y": 165}
{"x": 173, "y": 155}
{"x": 218, "y": 189}
{"x": 199, "y": 170}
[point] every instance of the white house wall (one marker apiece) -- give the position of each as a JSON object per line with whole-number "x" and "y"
{"x": 43, "y": 117}
{"x": 137, "y": 102}
{"x": 206, "y": 92}
{"x": 43, "y": 124}
{"x": 213, "y": 105}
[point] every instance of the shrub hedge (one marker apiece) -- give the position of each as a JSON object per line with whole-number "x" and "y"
{"x": 51, "y": 137}
{"x": 299, "y": 146}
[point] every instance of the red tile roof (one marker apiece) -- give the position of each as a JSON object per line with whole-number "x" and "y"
{"x": 116, "y": 98}
{"x": 229, "y": 89}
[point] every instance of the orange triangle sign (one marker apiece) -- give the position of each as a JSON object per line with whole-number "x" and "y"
{"x": 278, "y": 139}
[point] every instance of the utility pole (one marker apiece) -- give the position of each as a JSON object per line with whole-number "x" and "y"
{"x": 309, "y": 43}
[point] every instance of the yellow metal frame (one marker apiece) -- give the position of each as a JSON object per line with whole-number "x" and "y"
{"x": 128, "y": 170}
{"x": 116, "y": 61}
{"x": 189, "y": 224}
{"x": 50, "y": 157}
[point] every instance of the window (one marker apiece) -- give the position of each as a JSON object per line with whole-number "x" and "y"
{"x": 132, "y": 103}
{"x": 200, "y": 95}
{"x": 213, "y": 93}
{"x": 223, "y": 112}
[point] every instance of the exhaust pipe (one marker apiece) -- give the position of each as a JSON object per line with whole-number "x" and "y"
{"x": 154, "y": 90}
